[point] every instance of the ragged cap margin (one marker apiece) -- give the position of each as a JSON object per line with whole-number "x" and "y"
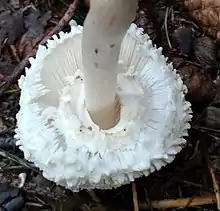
{"x": 153, "y": 137}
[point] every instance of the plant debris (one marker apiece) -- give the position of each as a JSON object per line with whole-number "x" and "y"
{"x": 200, "y": 84}
{"x": 205, "y": 50}
{"x": 35, "y": 23}
{"x": 11, "y": 26}
{"x": 182, "y": 39}
{"x": 144, "y": 20}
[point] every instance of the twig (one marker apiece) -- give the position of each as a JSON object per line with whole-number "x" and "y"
{"x": 17, "y": 72}
{"x": 206, "y": 129}
{"x": 14, "y": 52}
{"x": 181, "y": 202}
{"x": 189, "y": 22}
{"x": 195, "y": 150}
{"x": 148, "y": 200}
{"x": 64, "y": 20}
{"x": 135, "y": 198}
{"x": 33, "y": 204}
{"x": 212, "y": 172}
{"x": 215, "y": 187}
{"x": 18, "y": 160}
{"x": 166, "y": 29}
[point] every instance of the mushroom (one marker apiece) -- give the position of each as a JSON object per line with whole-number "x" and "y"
{"x": 100, "y": 106}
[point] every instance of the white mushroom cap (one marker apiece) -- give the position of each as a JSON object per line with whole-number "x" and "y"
{"x": 55, "y": 131}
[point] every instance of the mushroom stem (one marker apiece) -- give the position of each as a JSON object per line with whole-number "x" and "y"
{"x": 104, "y": 28}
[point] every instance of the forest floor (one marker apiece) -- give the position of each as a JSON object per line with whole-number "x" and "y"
{"x": 190, "y": 182}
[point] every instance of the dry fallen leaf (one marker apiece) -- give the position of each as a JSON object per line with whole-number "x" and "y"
{"x": 6, "y": 68}
{"x": 14, "y": 3}
{"x": 182, "y": 39}
{"x": 35, "y": 23}
{"x": 205, "y": 50}
{"x": 11, "y": 26}
{"x": 199, "y": 83}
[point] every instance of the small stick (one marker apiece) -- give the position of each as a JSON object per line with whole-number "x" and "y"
{"x": 64, "y": 20}
{"x": 215, "y": 187}
{"x": 148, "y": 200}
{"x": 17, "y": 72}
{"x": 18, "y": 160}
{"x": 135, "y": 197}
{"x": 166, "y": 28}
{"x": 14, "y": 52}
{"x": 181, "y": 202}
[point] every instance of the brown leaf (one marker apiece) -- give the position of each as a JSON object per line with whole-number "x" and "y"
{"x": 200, "y": 85}
{"x": 182, "y": 39}
{"x": 15, "y": 3}
{"x": 6, "y": 68}
{"x": 205, "y": 50}
{"x": 11, "y": 25}
{"x": 35, "y": 23}
{"x": 212, "y": 117}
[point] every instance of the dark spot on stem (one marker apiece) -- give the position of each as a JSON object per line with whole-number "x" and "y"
{"x": 96, "y": 50}
{"x": 96, "y": 64}
{"x": 112, "y": 45}
{"x": 112, "y": 21}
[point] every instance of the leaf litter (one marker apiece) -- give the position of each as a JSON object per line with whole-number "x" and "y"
{"x": 187, "y": 181}
{"x": 35, "y": 22}
{"x": 11, "y": 26}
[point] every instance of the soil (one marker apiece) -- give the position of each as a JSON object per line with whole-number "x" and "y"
{"x": 195, "y": 171}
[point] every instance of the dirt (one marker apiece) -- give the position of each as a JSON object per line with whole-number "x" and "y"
{"x": 24, "y": 24}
